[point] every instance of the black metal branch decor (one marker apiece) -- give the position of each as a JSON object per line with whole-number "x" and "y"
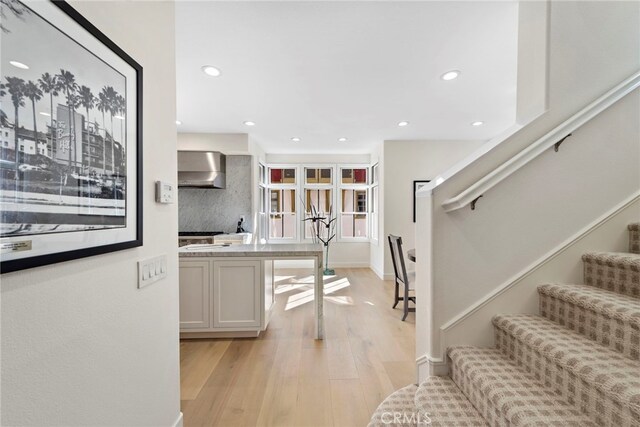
{"x": 323, "y": 228}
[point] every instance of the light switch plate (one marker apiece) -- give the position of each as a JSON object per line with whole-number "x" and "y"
{"x": 164, "y": 192}
{"x": 151, "y": 270}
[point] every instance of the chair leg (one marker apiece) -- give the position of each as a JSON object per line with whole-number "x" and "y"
{"x": 406, "y": 303}
{"x": 397, "y": 296}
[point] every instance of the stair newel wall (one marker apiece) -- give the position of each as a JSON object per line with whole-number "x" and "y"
{"x": 427, "y": 333}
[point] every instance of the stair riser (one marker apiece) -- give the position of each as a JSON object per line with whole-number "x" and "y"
{"x": 613, "y": 333}
{"x": 582, "y": 395}
{"x": 623, "y": 280}
{"x": 480, "y": 400}
{"x": 634, "y": 241}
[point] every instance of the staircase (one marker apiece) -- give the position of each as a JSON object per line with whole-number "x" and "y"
{"x": 576, "y": 364}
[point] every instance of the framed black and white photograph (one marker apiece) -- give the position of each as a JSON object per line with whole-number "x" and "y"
{"x": 418, "y": 184}
{"x": 70, "y": 138}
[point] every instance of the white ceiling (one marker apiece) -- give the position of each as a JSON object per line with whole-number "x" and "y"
{"x": 325, "y": 70}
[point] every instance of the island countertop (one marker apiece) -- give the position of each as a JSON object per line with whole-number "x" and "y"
{"x": 256, "y": 250}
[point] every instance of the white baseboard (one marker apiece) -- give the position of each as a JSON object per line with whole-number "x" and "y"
{"x": 378, "y": 273}
{"x": 179, "y": 420}
{"x": 428, "y": 367}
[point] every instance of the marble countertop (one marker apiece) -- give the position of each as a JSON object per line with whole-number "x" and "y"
{"x": 255, "y": 250}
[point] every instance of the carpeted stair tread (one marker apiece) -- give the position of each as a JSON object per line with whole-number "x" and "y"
{"x": 609, "y": 318}
{"x": 618, "y": 306}
{"x": 613, "y": 271}
{"x": 634, "y": 237}
{"x": 441, "y": 403}
{"x": 505, "y": 394}
{"x": 594, "y": 378}
{"x": 399, "y": 403}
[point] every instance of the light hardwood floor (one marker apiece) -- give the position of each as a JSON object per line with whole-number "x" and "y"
{"x": 286, "y": 378}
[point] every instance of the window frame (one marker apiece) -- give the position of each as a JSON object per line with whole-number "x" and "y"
{"x": 374, "y": 203}
{"x": 296, "y": 205}
{"x": 353, "y": 186}
{"x": 300, "y": 186}
{"x": 315, "y": 186}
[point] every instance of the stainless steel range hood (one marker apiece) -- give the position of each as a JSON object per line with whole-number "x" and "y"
{"x": 202, "y": 169}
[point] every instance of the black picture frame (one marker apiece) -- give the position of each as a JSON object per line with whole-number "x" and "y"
{"x": 129, "y": 163}
{"x": 416, "y": 187}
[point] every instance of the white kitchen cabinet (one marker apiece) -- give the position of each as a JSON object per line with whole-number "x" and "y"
{"x": 237, "y": 294}
{"x": 195, "y": 291}
{"x": 225, "y": 297}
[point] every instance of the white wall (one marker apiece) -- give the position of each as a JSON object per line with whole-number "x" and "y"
{"x": 81, "y": 345}
{"x": 227, "y": 143}
{"x": 592, "y": 47}
{"x": 318, "y": 158}
{"x": 401, "y": 163}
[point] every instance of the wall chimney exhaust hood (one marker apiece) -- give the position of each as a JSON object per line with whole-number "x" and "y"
{"x": 202, "y": 169}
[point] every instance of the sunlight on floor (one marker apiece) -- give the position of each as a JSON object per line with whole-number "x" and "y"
{"x": 344, "y": 300}
{"x": 306, "y": 296}
{"x": 282, "y": 289}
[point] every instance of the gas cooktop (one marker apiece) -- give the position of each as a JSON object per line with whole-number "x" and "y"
{"x": 199, "y": 233}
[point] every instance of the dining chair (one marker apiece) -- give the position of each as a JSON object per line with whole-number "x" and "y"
{"x": 401, "y": 276}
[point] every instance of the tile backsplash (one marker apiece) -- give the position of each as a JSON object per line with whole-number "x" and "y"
{"x": 201, "y": 209}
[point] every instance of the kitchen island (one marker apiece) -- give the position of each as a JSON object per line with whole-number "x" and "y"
{"x": 228, "y": 290}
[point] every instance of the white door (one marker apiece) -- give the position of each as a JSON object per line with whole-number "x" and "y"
{"x": 195, "y": 301}
{"x": 237, "y": 296}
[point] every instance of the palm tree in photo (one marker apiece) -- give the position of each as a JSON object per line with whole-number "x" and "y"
{"x": 121, "y": 103}
{"x": 33, "y": 92}
{"x": 68, "y": 85}
{"x": 49, "y": 85}
{"x": 88, "y": 101}
{"x": 111, "y": 94}
{"x": 15, "y": 87}
{"x": 102, "y": 104}
{"x": 74, "y": 102}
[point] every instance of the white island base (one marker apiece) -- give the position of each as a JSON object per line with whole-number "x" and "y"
{"x": 228, "y": 292}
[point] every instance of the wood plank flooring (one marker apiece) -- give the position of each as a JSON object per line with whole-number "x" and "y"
{"x": 286, "y": 378}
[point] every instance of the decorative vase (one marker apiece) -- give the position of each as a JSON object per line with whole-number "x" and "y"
{"x": 327, "y": 271}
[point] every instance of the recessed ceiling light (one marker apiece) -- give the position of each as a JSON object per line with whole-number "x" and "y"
{"x": 343, "y": 139}
{"x": 178, "y": 122}
{"x": 450, "y": 75}
{"x": 19, "y": 65}
{"x": 295, "y": 139}
{"x": 45, "y": 114}
{"x": 212, "y": 71}
{"x": 403, "y": 123}
{"x": 478, "y": 123}
{"x": 249, "y": 123}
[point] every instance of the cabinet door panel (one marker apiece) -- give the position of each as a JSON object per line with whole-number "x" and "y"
{"x": 195, "y": 301}
{"x": 236, "y": 294}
